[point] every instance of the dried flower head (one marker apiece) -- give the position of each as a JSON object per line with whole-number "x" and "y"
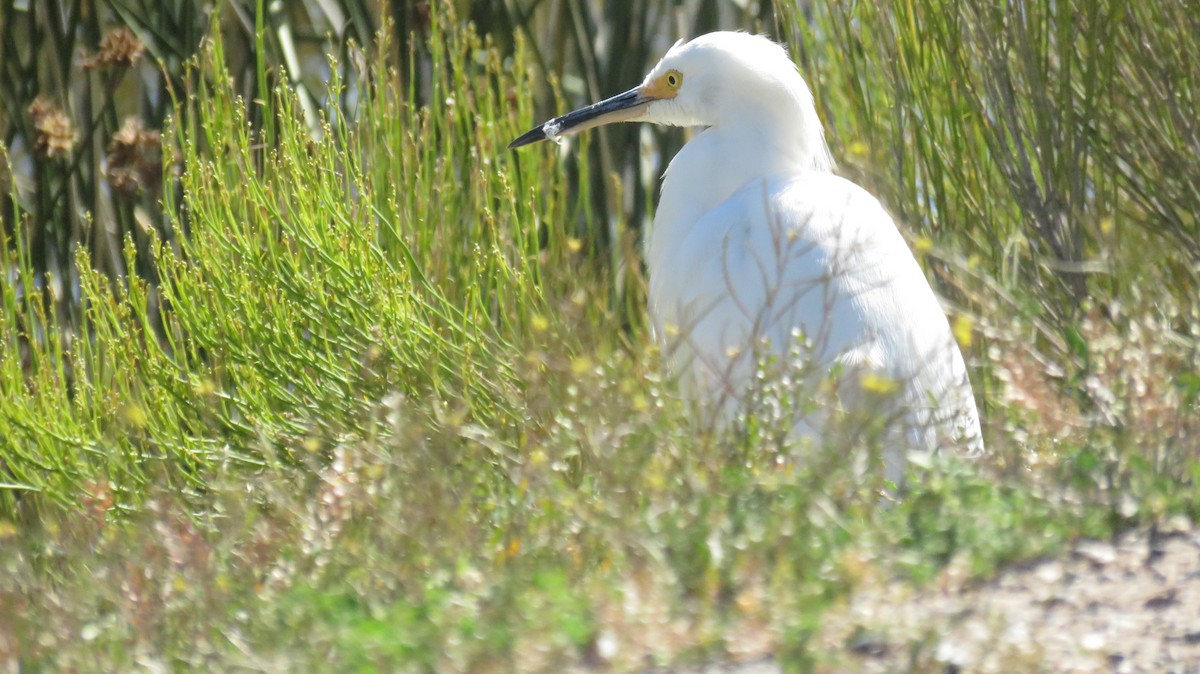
{"x": 119, "y": 48}
{"x": 56, "y": 135}
{"x": 134, "y": 158}
{"x": 40, "y": 107}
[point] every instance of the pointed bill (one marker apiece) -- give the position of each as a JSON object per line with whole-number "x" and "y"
{"x": 620, "y": 108}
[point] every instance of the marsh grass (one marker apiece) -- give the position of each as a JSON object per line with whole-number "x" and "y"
{"x": 380, "y": 409}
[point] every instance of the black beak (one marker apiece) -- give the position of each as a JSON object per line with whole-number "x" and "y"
{"x": 619, "y": 108}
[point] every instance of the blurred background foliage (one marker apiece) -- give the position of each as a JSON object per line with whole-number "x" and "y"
{"x": 1038, "y": 133}
{"x": 1039, "y": 154}
{"x": 87, "y": 86}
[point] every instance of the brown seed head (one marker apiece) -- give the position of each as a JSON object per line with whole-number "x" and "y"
{"x": 56, "y": 136}
{"x": 134, "y": 158}
{"x": 119, "y": 48}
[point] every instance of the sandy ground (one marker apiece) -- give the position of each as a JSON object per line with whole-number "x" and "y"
{"x": 1130, "y": 605}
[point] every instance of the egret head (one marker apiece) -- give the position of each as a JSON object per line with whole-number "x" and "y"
{"x": 723, "y": 79}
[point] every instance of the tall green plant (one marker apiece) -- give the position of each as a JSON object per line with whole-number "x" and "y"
{"x": 404, "y": 253}
{"x": 1023, "y": 129}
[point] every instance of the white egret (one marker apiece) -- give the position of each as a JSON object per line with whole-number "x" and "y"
{"x": 757, "y": 249}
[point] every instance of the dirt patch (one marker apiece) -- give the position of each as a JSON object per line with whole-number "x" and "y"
{"x": 1132, "y": 605}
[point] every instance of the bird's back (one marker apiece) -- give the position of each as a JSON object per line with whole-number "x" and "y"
{"x": 808, "y": 267}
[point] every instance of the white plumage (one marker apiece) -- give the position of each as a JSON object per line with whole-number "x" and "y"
{"x": 757, "y": 249}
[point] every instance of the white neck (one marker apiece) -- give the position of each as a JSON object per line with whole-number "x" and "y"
{"x": 715, "y": 164}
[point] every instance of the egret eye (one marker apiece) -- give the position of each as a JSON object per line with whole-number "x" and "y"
{"x": 674, "y": 79}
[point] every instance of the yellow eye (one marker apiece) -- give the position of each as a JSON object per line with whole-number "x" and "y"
{"x": 674, "y": 79}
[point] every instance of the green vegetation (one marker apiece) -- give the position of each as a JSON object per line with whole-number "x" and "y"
{"x": 376, "y": 392}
